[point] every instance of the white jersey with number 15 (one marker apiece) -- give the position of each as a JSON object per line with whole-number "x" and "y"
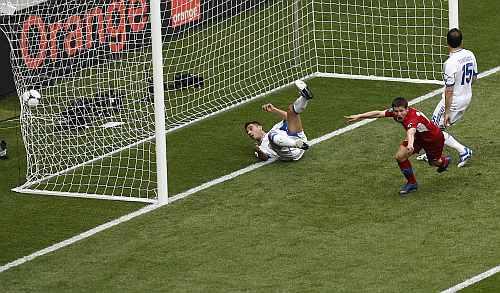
{"x": 459, "y": 70}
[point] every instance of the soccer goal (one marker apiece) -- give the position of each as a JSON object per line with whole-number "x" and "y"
{"x": 101, "y": 82}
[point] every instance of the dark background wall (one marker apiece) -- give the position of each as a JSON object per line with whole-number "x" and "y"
{"x": 6, "y": 79}
{"x": 212, "y": 12}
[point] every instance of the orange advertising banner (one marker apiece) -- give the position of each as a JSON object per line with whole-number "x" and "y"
{"x": 184, "y": 11}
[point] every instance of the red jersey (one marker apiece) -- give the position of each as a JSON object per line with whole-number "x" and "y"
{"x": 427, "y": 131}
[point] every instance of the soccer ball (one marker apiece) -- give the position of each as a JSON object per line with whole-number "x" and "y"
{"x": 31, "y": 98}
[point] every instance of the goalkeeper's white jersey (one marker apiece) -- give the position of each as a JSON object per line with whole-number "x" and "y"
{"x": 458, "y": 71}
{"x": 283, "y": 153}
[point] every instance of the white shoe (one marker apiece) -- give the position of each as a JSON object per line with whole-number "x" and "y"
{"x": 465, "y": 157}
{"x": 300, "y": 84}
{"x": 422, "y": 157}
{"x": 304, "y": 90}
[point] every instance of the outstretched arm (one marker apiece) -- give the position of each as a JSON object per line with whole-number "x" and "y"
{"x": 272, "y": 109}
{"x": 410, "y": 136}
{"x": 366, "y": 115}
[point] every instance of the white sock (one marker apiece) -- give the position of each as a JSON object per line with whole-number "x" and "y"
{"x": 453, "y": 143}
{"x": 300, "y": 104}
{"x": 282, "y": 139}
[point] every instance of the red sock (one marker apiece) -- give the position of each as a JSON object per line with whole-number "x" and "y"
{"x": 407, "y": 171}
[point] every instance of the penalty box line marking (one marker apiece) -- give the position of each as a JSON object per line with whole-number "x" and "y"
{"x": 152, "y": 207}
{"x": 473, "y": 280}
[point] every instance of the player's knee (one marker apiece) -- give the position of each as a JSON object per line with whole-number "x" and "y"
{"x": 402, "y": 155}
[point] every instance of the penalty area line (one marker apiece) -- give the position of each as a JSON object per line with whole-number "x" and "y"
{"x": 152, "y": 207}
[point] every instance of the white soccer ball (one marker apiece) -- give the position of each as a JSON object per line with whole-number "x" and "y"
{"x": 31, "y": 98}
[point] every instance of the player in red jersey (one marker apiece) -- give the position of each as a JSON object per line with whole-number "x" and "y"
{"x": 421, "y": 133}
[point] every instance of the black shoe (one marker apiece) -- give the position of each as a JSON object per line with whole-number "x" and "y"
{"x": 3, "y": 150}
{"x": 444, "y": 167}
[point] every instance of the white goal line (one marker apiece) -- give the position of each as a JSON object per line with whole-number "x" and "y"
{"x": 152, "y": 207}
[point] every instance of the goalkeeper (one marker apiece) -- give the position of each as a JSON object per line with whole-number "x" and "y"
{"x": 286, "y": 140}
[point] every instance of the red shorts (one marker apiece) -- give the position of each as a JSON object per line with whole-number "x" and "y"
{"x": 433, "y": 149}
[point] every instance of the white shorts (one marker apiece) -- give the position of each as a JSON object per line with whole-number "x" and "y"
{"x": 457, "y": 110}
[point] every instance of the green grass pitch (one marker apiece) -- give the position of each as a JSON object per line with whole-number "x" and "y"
{"x": 332, "y": 222}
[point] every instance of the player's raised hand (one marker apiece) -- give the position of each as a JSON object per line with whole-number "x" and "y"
{"x": 268, "y": 107}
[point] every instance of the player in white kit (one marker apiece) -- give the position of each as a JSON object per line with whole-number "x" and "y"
{"x": 459, "y": 72}
{"x": 286, "y": 140}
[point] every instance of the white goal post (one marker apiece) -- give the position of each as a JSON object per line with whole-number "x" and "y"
{"x": 159, "y": 104}
{"x": 115, "y": 76}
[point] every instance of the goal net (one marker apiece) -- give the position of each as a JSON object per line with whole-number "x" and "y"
{"x": 92, "y": 131}
{"x": 389, "y": 40}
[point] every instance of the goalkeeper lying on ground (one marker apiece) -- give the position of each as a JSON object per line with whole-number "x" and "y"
{"x": 286, "y": 140}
